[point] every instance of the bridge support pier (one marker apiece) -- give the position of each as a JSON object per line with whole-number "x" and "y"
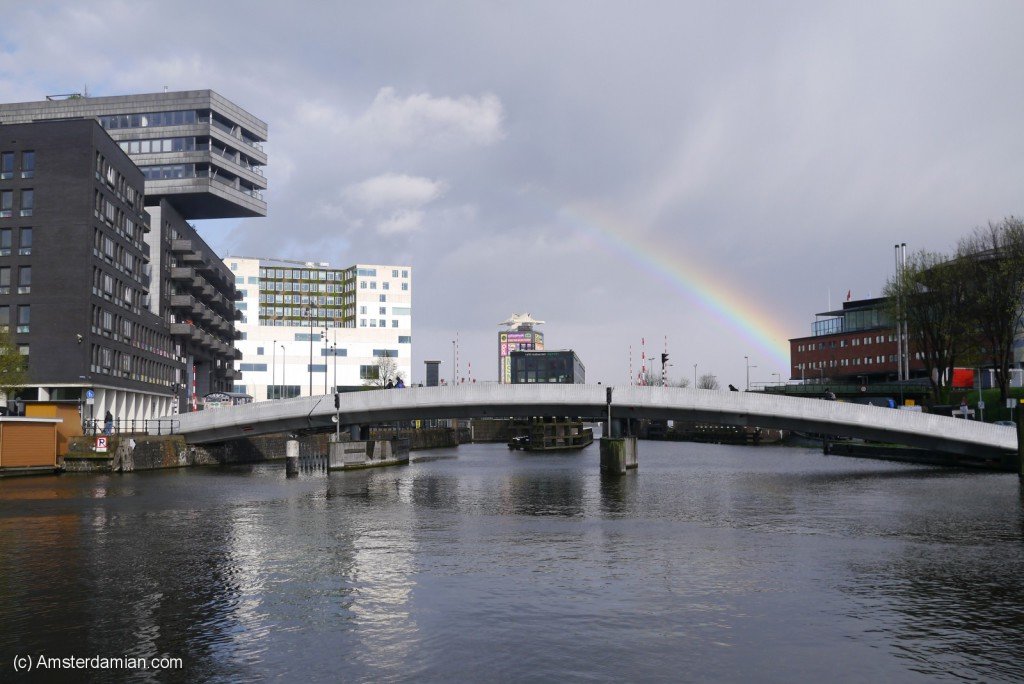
{"x": 618, "y": 455}
{"x": 291, "y": 458}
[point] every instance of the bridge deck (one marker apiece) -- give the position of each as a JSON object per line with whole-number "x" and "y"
{"x": 938, "y": 433}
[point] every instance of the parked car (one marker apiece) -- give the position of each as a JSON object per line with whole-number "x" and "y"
{"x": 1007, "y": 423}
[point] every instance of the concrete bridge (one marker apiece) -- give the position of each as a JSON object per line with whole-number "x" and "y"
{"x": 932, "y": 432}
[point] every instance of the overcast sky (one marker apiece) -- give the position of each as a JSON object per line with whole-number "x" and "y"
{"x": 709, "y": 172}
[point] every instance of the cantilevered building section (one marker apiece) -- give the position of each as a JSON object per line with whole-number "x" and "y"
{"x": 195, "y": 148}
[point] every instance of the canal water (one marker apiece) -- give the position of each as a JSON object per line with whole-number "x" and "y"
{"x": 711, "y": 563}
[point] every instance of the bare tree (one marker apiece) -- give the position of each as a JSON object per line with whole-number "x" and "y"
{"x": 993, "y": 264}
{"x": 386, "y": 369}
{"x": 681, "y": 382}
{"x": 931, "y": 293}
{"x": 708, "y": 381}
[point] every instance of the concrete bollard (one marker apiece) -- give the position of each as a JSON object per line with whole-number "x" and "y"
{"x": 291, "y": 457}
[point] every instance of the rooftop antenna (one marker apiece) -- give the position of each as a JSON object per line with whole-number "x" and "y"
{"x": 165, "y": 89}
{"x": 631, "y": 378}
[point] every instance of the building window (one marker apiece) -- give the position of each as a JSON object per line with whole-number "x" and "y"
{"x": 405, "y": 339}
{"x": 383, "y": 310}
{"x": 6, "y": 203}
{"x": 369, "y": 372}
{"x": 27, "y": 201}
{"x": 394, "y": 323}
{"x": 394, "y": 273}
{"x": 5, "y": 242}
{"x": 386, "y": 353}
{"x": 24, "y": 317}
{"x": 316, "y": 367}
{"x": 6, "y": 165}
{"x": 24, "y": 279}
{"x": 5, "y": 280}
{"x": 383, "y": 298}
{"x": 405, "y": 287}
{"x": 259, "y": 351}
{"x": 385, "y": 286}
{"x": 28, "y": 164}
{"x": 405, "y": 274}
{"x": 25, "y": 242}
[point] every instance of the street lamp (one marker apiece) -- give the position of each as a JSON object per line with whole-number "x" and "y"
{"x": 334, "y": 353}
{"x": 309, "y": 312}
{"x": 747, "y": 359}
{"x": 454, "y": 380}
{"x": 779, "y": 377}
{"x": 284, "y": 367}
{"x": 694, "y": 376}
{"x": 323, "y": 341}
{"x": 273, "y": 369}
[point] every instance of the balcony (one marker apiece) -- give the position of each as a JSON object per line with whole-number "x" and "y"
{"x": 183, "y": 273}
{"x": 180, "y": 301}
{"x": 182, "y": 329}
{"x": 181, "y": 246}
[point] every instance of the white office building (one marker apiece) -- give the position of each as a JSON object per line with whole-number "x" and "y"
{"x": 308, "y": 328}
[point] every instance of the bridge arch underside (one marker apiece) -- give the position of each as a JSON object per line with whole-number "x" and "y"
{"x": 826, "y": 418}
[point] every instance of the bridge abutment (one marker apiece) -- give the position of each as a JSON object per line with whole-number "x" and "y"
{"x": 618, "y": 455}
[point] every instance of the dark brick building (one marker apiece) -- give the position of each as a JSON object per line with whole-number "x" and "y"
{"x": 74, "y": 270}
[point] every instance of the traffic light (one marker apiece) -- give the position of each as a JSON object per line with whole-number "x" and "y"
{"x": 337, "y": 400}
{"x": 664, "y": 359}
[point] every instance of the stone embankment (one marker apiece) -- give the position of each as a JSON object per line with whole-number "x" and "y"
{"x": 139, "y": 452}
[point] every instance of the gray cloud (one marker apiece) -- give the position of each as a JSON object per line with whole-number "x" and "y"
{"x": 747, "y": 157}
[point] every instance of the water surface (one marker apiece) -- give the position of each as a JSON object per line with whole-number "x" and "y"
{"x": 711, "y": 563}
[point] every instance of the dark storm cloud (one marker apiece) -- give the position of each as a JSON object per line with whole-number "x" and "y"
{"x": 785, "y": 147}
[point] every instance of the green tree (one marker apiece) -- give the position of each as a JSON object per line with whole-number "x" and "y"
{"x": 930, "y": 293}
{"x": 13, "y": 373}
{"x": 993, "y": 265}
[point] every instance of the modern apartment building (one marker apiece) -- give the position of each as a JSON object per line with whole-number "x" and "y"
{"x": 201, "y": 157}
{"x": 75, "y": 274}
{"x": 308, "y": 328}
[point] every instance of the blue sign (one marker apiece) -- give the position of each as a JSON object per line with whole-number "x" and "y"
{"x": 89, "y": 394}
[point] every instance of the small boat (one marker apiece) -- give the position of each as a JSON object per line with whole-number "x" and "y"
{"x": 549, "y": 434}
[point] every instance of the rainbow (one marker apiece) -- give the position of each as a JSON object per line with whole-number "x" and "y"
{"x": 685, "y": 276}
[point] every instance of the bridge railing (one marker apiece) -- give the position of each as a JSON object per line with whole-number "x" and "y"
{"x": 132, "y": 426}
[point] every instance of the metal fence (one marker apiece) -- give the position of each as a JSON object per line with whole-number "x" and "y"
{"x": 132, "y": 426}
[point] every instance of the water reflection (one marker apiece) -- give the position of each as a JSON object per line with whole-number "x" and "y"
{"x": 709, "y": 563}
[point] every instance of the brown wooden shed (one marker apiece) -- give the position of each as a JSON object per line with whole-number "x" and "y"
{"x": 28, "y": 443}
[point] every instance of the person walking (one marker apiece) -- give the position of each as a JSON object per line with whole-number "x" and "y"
{"x": 108, "y": 423}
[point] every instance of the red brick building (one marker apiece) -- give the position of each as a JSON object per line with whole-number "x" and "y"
{"x": 854, "y": 344}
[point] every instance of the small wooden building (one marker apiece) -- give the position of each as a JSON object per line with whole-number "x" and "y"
{"x": 28, "y": 443}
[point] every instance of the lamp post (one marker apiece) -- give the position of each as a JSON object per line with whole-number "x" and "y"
{"x": 323, "y": 341}
{"x": 747, "y": 359}
{"x": 454, "y": 380}
{"x": 309, "y": 312}
{"x": 694, "y": 376}
{"x": 284, "y": 367}
{"x": 334, "y": 353}
{"x": 273, "y": 370}
{"x": 779, "y": 377}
